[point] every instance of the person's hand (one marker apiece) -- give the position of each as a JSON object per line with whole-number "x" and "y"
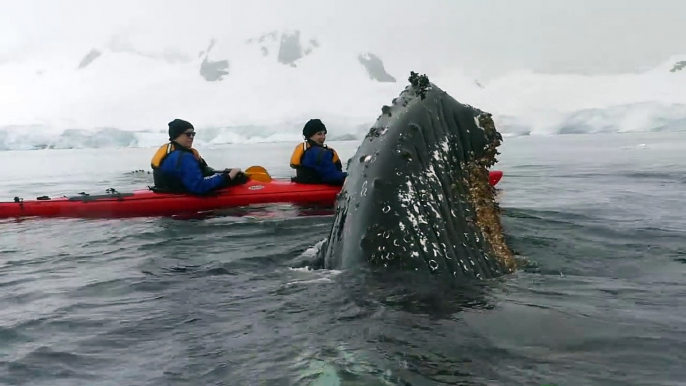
{"x": 233, "y": 172}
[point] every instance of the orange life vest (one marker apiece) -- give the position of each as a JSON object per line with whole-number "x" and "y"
{"x": 299, "y": 152}
{"x": 164, "y": 151}
{"x": 304, "y": 174}
{"x": 167, "y": 183}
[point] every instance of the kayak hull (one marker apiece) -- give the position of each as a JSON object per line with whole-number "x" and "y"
{"x": 494, "y": 177}
{"x": 146, "y": 203}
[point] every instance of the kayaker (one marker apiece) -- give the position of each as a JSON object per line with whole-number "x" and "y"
{"x": 177, "y": 167}
{"x": 315, "y": 162}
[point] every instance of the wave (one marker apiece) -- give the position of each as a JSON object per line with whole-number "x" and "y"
{"x": 264, "y": 89}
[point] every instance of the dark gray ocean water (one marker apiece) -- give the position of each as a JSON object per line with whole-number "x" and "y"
{"x": 216, "y": 301}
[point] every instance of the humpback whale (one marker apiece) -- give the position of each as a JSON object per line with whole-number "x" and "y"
{"x": 417, "y": 196}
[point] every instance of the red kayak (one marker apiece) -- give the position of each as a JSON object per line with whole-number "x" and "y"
{"x": 494, "y": 177}
{"x": 146, "y": 203}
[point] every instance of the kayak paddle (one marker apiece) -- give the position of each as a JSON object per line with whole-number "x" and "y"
{"x": 258, "y": 173}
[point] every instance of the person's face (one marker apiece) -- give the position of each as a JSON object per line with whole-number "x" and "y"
{"x": 186, "y": 139}
{"x": 319, "y": 137}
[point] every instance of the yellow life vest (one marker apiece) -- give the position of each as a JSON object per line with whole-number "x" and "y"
{"x": 300, "y": 150}
{"x": 164, "y": 151}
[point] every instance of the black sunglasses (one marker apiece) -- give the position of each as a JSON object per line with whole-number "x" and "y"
{"x": 190, "y": 134}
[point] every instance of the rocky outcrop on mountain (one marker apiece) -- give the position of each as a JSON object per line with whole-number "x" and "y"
{"x": 375, "y": 68}
{"x": 678, "y": 66}
{"x": 89, "y": 58}
{"x": 288, "y": 46}
{"x": 212, "y": 70}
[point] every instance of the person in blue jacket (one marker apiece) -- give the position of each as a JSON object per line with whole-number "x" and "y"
{"x": 179, "y": 168}
{"x": 313, "y": 161}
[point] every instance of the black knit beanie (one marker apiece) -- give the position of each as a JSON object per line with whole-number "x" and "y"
{"x": 312, "y": 127}
{"x": 178, "y": 127}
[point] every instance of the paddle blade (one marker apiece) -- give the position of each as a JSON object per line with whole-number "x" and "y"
{"x": 261, "y": 177}
{"x": 256, "y": 169}
{"x": 258, "y": 173}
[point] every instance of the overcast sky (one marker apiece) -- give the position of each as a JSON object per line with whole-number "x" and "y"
{"x": 486, "y": 37}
